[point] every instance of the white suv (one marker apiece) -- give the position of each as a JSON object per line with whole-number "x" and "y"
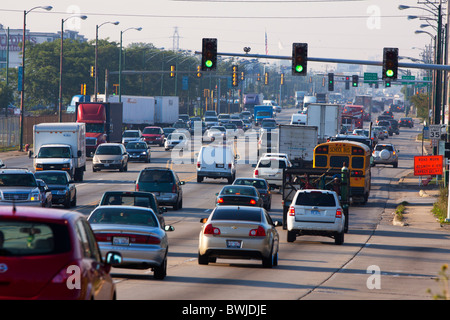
{"x": 216, "y": 161}
{"x": 316, "y": 212}
{"x": 271, "y": 169}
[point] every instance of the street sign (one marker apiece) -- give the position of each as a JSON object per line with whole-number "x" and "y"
{"x": 408, "y": 78}
{"x": 435, "y": 131}
{"x": 370, "y": 77}
{"x": 426, "y": 132}
{"x": 428, "y": 165}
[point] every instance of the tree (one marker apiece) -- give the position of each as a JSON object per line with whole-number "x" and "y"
{"x": 6, "y": 97}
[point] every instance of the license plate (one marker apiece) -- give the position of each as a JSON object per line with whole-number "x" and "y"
{"x": 219, "y": 165}
{"x": 121, "y": 241}
{"x": 234, "y": 243}
{"x": 315, "y": 212}
{"x": 106, "y": 164}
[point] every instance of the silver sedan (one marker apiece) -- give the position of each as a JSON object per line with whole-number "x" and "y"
{"x": 239, "y": 232}
{"x": 134, "y": 232}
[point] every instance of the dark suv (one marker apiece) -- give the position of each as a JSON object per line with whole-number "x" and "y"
{"x": 164, "y": 184}
{"x": 406, "y": 122}
{"x": 395, "y": 127}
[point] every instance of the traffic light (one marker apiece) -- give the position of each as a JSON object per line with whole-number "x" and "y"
{"x": 242, "y": 76}
{"x": 387, "y": 83}
{"x": 347, "y": 83}
{"x": 199, "y": 72}
{"x": 354, "y": 81}
{"x": 331, "y": 82}
{"x": 299, "y": 59}
{"x": 92, "y": 72}
{"x": 235, "y": 76}
{"x": 209, "y": 54}
{"x": 266, "y": 78}
{"x": 172, "y": 71}
{"x": 390, "y": 63}
{"x": 282, "y": 79}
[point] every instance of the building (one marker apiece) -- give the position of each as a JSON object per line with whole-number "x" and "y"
{"x": 15, "y": 41}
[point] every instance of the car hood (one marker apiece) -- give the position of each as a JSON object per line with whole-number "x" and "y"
{"x": 151, "y": 135}
{"x": 57, "y": 186}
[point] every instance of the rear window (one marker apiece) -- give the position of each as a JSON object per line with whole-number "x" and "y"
{"x": 30, "y": 238}
{"x": 129, "y": 200}
{"x": 317, "y": 199}
{"x": 258, "y": 184}
{"x": 383, "y": 147}
{"x": 240, "y": 214}
{"x": 108, "y": 150}
{"x": 272, "y": 163}
{"x": 160, "y": 176}
{"x": 123, "y": 216}
{"x": 238, "y": 190}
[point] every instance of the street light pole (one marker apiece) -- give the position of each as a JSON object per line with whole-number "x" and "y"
{"x": 22, "y": 75}
{"x": 61, "y": 64}
{"x": 120, "y": 61}
{"x": 96, "y": 57}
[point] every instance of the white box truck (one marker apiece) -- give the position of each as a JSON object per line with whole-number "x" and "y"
{"x": 326, "y": 117}
{"x": 138, "y": 111}
{"x": 60, "y": 146}
{"x": 167, "y": 110}
{"x": 298, "y": 142}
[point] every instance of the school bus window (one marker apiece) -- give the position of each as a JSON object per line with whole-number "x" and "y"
{"x": 358, "y": 162}
{"x": 338, "y": 161}
{"x": 321, "y": 161}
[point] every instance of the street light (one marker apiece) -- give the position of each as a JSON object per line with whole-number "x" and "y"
{"x": 120, "y": 61}
{"x": 96, "y": 56}
{"x": 22, "y": 74}
{"x": 61, "y": 63}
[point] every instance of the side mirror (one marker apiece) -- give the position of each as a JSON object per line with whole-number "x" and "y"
{"x": 113, "y": 258}
{"x": 203, "y": 220}
{"x": 169, "y": 228}
{"x": 182, "y": 182}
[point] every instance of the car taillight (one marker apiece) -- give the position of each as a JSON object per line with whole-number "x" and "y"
{"x": 291, "y": 211}
{"x": 63, "y": 275}
{"x": 137, "y": 187}
{"x": 209, "y": 229}
{"x": 252, "y": 201}
{"x": 339, "y": 213}
{"x": 229, "y": 166}
{"x": 220, "y": 200}
{"x": 174, "y": 188}
{"x": 256, "y": 172}
{"x": 198, "y": 164}
{"x": 260, "y": 232}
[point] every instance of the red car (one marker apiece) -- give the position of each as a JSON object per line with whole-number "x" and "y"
{"x": 153, "y": 135}
{"x": 51, "y": 254}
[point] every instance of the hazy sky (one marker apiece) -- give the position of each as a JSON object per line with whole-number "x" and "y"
{"x": 347, "y": 29}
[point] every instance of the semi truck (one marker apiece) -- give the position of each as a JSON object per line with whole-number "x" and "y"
{"x": 299, "y": 96}
{"x": 298, "y": 142}
{"x": 138, "y": 111}
{"x": 167, "y": 110}
{"x": 251, "y": 100}
{"x": 103, "y": 123}
{"x": 326, "y": 117}
{"x": 60, "y": 146}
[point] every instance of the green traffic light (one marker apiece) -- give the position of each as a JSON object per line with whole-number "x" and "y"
{"x": 389, "y": 73}
{"x": 299, "y": 68}
{"x": 208, "y": 63}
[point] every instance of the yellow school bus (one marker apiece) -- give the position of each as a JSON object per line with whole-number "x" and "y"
{"x": 353, "y": 155}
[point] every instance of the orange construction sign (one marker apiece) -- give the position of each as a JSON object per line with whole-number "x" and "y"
{"x": 428, "y": 165}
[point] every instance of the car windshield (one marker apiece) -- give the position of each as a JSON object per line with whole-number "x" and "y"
{"x": 136, "y": 145}
{"x": 315, "y": 198}
{"x": 269, "y": 124}
{"x": 241, "y": 214}
{"x": 95, "y": 127}
{"x": 384, "y": 147}
{"x": 218, "y": 128}
{"x": 151, "y": 131}
{"x": 159, "y": 176}
{"x": 108, "y": 150}
{"x": 258, "y": 184}
{"x": 52, "y": 178}
{"x": 238, "y": 190}
{"x": 131, "y": 134}
{"x": 129, "y": 200}
{"x": 211, "y": 119}
{"x": 17, "y": 180}
{"x": 224, "y": 116}
{"x": 127, "y": 216}
{"x": 31, "y": 238}
{"x": 176, "y": 136}
{"x": 54, "y": 152}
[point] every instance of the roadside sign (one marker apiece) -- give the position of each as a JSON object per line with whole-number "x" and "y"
{"x": 408, "y": 78}
{"x": 428, "y": 165}
{"x": 426, "y": 132}
{"x": 435, "y": 132}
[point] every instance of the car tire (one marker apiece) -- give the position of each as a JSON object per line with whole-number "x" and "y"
{"x": 199, "y": 179}
{"x": 291, "y": 236}
{"x": 74, "y": 201}
{"x": 269, "y": 261}
{"x": 67, "y": 203}
{"x": 203, "y": 259}
{"x": 395, "y": 165}
{"x": 160, "y": 272}
{"x": 339, "y": 238}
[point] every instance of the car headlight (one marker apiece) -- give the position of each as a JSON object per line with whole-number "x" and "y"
{"x": 39, "y": 165}
{"x": 35, "y": 196}
{"x": 143, "y": 153}
{"x": 61, "y": 192}
{"x": 95, "y": 160}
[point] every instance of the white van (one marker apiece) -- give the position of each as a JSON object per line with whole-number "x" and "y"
{"x": 298, "y": 118}
{"x": 217, "y": 162}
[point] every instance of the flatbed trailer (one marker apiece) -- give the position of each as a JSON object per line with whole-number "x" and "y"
{"x": 295, "y": 178}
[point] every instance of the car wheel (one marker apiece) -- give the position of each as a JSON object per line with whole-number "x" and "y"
{"x": 269, "y": 261}
{"x": 67, "y": 203}
{"x": 339, "y": 238}
{"x": 160, "y": 272}
{"x": 203, "y": 259}
{"x": 395, "y": 165}
{"x": 291, "y": 236}
{"x": 74, "y": 201}
{"x": 199, "y": 179}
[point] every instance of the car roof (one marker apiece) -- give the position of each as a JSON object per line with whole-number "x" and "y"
{"x": 110, "y": 144}
{"x": 38, "y": 213}
{"x": 128, "y": 193}
{"x": 247, "y": 208}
